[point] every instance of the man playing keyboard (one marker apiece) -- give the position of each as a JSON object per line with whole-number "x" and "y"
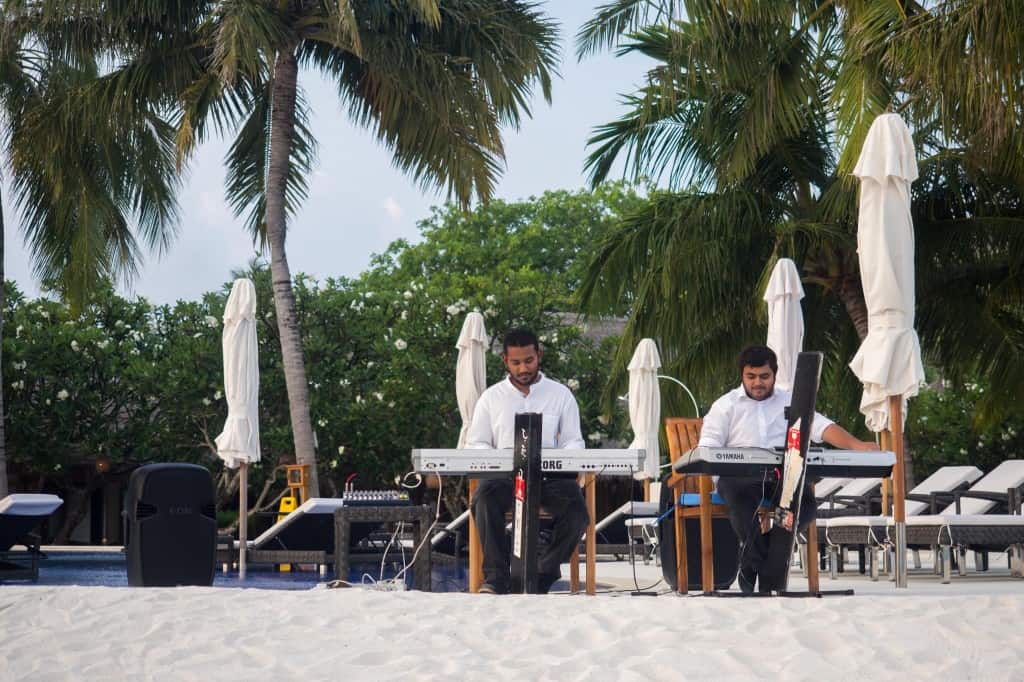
{"x": 753, "y": 415}
{"x": 526, "y": 389}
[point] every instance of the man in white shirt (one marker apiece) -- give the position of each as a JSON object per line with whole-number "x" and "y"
{"x": 526, "y": 389}
{"x": 753, "y": 415}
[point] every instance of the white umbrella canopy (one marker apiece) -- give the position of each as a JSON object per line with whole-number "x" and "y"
{"x": 645, "y": 403}
{"x": 470, "y": 369}
{"x": 785, "y": 319}
{"x": 888, "y": 362}
{"x": 240, "y": 439}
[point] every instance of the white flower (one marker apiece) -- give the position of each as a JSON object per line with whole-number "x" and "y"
{"x": 963, "y": 451}
{"x": 45, "y": 315}
{"x": 134, "y": 351}
{"x": 119, "y": 324}
{"x": 368, "y": 294}
{"x": 321, "y": 423}
{"x": 47, "y": 401}
{"x": 17, "y": 332}
{"x": 370, "y": 364}
{"x": 490, "y": 298}
{"x": 19, "y": 365}
{"x": 924, "y": 417}
{"x": 197, "y": 335}
{"x": 408, "y": 295}
{"x": 62, "y": 394}
{"x": 218, "y": 395}
{"x": 74, "y": 346}
{"x": 405, "y": 314}
{"x": 206, "y": 401}
{"x": 103, "y": 344}
{"x": 490, "y": 312}
{"x": 401, "y": 344}
{"x": 341, "y": 449}
{"x": 452, "y": 310}
{"x": 334, "y": 464}
{"x": 350, "y": 355}
{"x": 573, "y": 384}
{"x": 136, "y": 335}
{"x": 391, "y": 403}
{"x": 543, "y": 338}
{"x": 595, "y": 436}
{"x": 211, "y": 321}
{"x": 344, "y": 382}
{"x": 359, "y": 399}
{"x": 379, "y": 396}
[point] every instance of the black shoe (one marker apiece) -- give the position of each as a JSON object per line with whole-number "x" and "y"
{"x": 545, "y": 581}
{"x": 747, "y": 577}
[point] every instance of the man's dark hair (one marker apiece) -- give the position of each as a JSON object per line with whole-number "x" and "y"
{"x": 520, "y": 338}
{"x": 758, "y": 356}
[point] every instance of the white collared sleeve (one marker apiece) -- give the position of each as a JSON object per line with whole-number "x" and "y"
{"x": 818, "y": 426}
{"x": 714, "y": 432}
{"x": 481, "y": 430}
{"x": 570, "y": 436}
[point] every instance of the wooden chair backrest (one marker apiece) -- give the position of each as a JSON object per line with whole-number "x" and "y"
{"x": 683, "y": 434}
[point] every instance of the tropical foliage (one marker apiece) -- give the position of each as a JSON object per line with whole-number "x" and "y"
{"x": 751, "y": 121}
{"x": 95, "y": 393}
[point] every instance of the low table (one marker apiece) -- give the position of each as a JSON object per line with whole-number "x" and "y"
{"x": 420, "y": 516}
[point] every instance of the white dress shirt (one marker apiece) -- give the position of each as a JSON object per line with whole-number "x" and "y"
{"x": 495, "y": 415}
{"x": 736, "y": 420}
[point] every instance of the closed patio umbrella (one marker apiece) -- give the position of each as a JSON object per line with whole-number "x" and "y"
{"x": 470, "y": 369}
{"x": 470, "y": 383}
{"x": 239, "y": 443}
{"x": 645, "y": 403}
{"x": 785, "y": 319}
{"x": 888, "y": 362}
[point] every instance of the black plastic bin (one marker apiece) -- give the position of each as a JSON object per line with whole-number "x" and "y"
{"x": 170, "y": 526}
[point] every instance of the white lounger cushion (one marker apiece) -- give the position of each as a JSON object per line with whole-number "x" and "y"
{"x": 856, "y": 488}
{"x": 944, "y": 479}
{"x": 829, "y": 485}
{"x": 30, "y": 504}
{"x": 857, "y": 521}
{"x": 1009, "y": 474}
{"x": 966, "y": 520}
{"x": 314, "y": 505}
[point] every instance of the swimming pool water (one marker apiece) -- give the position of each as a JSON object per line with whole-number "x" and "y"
{"x": 110, "y": 569}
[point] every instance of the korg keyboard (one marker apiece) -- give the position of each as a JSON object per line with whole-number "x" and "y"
{"x": 469, "y": 462}
{"x": 752, "y": 462}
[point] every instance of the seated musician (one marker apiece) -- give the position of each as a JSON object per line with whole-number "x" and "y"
{"x": 526, "y": 389}
{"x": 753, "y": 415}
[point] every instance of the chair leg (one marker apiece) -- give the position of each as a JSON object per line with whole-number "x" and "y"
{"x": 574, "y": 571}
{"x": 917, "y": 558}
{"x": 962, "y": 567}
{"x": 1017, "y": 561}
{"x": 833, "y": 559}
{"x": 873, "y": 563}
{"x": 947, "y": 561}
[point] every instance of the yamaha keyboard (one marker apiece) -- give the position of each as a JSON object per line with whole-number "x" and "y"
{"x": 469, "y": 462}
{"x": 752, "y": 462}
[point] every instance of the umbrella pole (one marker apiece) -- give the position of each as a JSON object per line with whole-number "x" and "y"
{"x": 243, "y": 516}
{"x": 899, "y": 511}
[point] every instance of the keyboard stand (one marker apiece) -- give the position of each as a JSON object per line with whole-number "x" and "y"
{"x": 420, "y": 516}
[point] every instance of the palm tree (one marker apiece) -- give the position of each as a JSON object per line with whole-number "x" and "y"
{"x": 435, "y": 81}
{"x": 752, "y": 120}
{"x": 88, "y": 187}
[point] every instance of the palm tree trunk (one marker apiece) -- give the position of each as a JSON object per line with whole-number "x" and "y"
{"x": 3, "y": 416}
{"x": 852, "y": 295}
{"x": 282, "y": 130}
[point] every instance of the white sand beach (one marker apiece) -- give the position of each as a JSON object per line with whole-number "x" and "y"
{"x": 968, "y": 630}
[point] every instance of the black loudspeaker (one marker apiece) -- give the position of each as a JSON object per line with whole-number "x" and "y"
{"x": 170, "y": 526}
{"x": 726, "y": 548}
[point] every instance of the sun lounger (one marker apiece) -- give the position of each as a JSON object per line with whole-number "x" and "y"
{"x": 871, "y": 531}
{"x": 20, "y": 514}
{"x": 984, "y": 518}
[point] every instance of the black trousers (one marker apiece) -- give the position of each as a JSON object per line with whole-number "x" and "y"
{"x": 742, "y": 497}
{"x": 560, "y": 497}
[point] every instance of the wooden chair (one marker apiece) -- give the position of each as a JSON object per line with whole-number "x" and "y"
{"x": 476, "y": 553}
{"x": 683, "y": 435}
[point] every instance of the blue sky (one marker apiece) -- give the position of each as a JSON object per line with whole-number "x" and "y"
{"x": 358, "y": 203}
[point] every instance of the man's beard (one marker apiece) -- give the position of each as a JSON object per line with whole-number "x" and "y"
{"x": 527, "y": 379}
{"x": 768, "y": 394}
